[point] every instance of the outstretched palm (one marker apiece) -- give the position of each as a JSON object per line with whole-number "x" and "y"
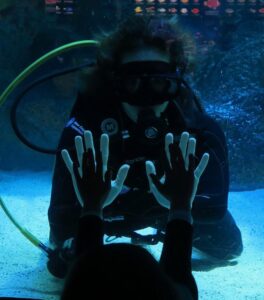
{"x": 181, "y": 177}
{"x": 93, "y": 186}
{"x": 90, "y": 176}
{"x": 178, "y": 184}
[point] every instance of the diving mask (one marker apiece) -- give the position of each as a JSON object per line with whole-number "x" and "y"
{"x": 145, "y": 83}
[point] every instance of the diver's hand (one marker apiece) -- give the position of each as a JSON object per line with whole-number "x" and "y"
{"x": 181, "y": 177}
{"x": 91, "y": 178}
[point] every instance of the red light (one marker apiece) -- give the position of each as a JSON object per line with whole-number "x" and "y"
{"x": 172, "y": 10}
{"x": 212, "y": 3}
{"x": 150, "y": 9}
{"x": 195, "y": 11}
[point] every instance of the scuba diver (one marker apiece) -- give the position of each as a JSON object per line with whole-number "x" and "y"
{"x": 137, "y": 93}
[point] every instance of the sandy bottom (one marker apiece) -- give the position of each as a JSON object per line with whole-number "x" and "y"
{"x": 23, "y": 266}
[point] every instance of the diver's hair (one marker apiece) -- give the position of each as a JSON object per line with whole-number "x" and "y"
{"x": 135, "y": 32}
{"x": 164, "y": 34}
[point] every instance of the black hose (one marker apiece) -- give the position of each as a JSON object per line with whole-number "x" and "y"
{"x": 13, "y": 112}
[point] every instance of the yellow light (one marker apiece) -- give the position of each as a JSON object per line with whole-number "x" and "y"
{"x": 138, "y": 10}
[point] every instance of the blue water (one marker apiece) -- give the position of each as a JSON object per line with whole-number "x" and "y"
{"x": 229, "y": 80}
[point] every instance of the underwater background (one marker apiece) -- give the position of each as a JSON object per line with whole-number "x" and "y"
{"x": 229, "y": 79}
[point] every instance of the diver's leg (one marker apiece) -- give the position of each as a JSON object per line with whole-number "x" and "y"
{"x": 221, "y": 239}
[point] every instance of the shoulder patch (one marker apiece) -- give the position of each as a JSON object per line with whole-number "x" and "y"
{"x": 109, "y": 126}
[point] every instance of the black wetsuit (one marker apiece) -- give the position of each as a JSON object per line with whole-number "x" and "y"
{"x": 215, "y": 231}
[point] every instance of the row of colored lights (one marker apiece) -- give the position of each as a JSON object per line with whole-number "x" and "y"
{"x": 52, "y": 2}
{"x": 55, "y": 6}
{"x": 194, "y": 11}
{"x": 60, "y": 11}
{"x": 193, "y": 1}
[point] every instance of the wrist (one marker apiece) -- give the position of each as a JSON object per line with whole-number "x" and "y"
{"x": 184, "y": 205}
{"x": 180, "y": 214}
{"x": 91, "y": 211}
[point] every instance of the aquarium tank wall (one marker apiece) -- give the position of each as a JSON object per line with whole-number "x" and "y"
{"x": 227, "y": 77}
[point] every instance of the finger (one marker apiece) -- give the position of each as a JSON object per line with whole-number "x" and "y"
{"x": 177, "y": 157}
{"x": 168, "y": 141}
{"x": 156, "y": 182}
{"x": 173, "y": 155}
{"x": 108, "y": 178}
{"x": 77, "y": 183}
{"x": 67, "y": 160}
{"x": 202, "y": 165}
{"x": 184, "y": 142}
{"x": 165, "y": 162}
{"x": 121, "y": 175}
{"x": 191, "y": 163}
{"x": 88, "y": 142}
{"x": 99, "y": 166}
{"x": 104, "y": 148}
{"x": 77, "y": 175}
{"x": 69, "y": 164}
{"x": 190, "y": 150}
{"x": 88, "y": 164}
{"x": 162, "y": 179}
{"x": 150, "y": 170}
{"x": 79, "y": 150}
{"x": 86, "y": 168}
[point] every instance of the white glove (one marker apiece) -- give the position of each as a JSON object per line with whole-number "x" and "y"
{"x": 116, "y": 185}
{"x": 187, "y": 146}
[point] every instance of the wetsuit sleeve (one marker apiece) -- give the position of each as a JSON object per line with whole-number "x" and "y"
{"x": 90, "y": 233}
{"x": 177, "y": 253}
{"x": 210, "y": 203}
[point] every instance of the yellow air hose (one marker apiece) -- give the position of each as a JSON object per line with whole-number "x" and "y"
{"x": 24, "y": 74}
{"x": 24, "y": 231}
{"x": 3, "y": 97}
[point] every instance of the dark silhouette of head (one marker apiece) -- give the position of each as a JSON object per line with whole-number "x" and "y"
{"x": 119, "y": 271}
